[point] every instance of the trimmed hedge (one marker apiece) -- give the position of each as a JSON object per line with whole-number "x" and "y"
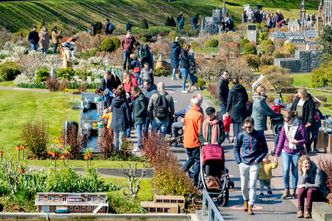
{"x": 9, "y": 70}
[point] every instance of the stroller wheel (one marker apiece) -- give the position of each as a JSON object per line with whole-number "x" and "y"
{"x": 223, "y": 198}
{"x": 231, "y": 184}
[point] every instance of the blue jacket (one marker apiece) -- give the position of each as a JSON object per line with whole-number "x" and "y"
{"x": 260, "y": 112}
{"x": 121, "y": 114}
{"x": 253, "y": 148}
{"x": 175, "y": 54}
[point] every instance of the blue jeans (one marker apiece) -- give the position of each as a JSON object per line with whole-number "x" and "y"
{"x": 118, "y": 136}
{"x": 125, "y": 58}
{"x": 222, "y": 110}
{"x": 139, "y": 131}
{"x": 139, "y": 79}
{"x": 34, "y": 47}
{"x": 290, "y": 161}
{"x": 55, "y": 47}
{"x": 193, "y": 159}
{"x": 185, "y": 73}
{"x": 160, "y": 124}
{"x": 174, "y": 73}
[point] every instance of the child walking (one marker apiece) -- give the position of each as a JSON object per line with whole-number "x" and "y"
{"x": 227, "y": 120}
{"x": 265, "y": 175}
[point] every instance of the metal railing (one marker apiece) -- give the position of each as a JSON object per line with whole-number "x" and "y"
{"x": 210, "y": 209}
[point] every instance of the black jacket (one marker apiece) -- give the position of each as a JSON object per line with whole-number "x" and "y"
{"x": 33, "y": 37}
{"x": 223, "y": 90}
{"x": 121, "y": 114}
{"x": 308, "y": 109}
{"x": 236, "y": 103}
{"x": 140, "y": 106}
{"x": 175, "y": 54}
{"x": 184, "y": 59}
{"x": 111, "y": 84}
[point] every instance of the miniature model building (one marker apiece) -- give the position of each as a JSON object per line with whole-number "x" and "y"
{"x": 164, "y": 204}
{"x": 72, "y": 202}
{"x": 212, "y": 25}
{"x": 324, "y": 13}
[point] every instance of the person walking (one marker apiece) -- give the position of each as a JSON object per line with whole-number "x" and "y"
{"x": 34, "y": 38}
{"x": 180, "y": 20}
{"x": 194, "y": 22}
{"x": 212, "y": 130}
{"x": 184, "y": 66}
{"x": 127, "y": 44}
{"x": 192, "y": 127}
{"x": 44, "y": 39}
{"x": 55, "y": 38}
{"x": 161, "y": 107}
{"x": 260, "y": 109}
{"x": 120, "y": 117}
{"x": 149, "y": 90}
{"x": 249, "y": 150}
{"x": 236, "y": 106}
{"x": 175, "y": 56}
{"x": 139, "y": 114}
{"x": 222, "y": 91}
{"x": 292, "y": 137}
{"x": 304, "y": 107}
{"x": 109, "y": 27}
{"x": 192, "y": 70}
{"x": 312, "y": 185}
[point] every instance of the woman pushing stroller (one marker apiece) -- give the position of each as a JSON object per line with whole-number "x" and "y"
{"x": 212, "y": 129}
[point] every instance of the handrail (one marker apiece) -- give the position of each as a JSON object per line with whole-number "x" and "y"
{"x": 210, "y": 209}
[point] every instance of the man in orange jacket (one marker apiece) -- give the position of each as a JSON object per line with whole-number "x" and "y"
{"x": 192, "y": 125}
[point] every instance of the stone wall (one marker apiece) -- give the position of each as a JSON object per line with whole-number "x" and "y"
{"x": 304, "y": 61}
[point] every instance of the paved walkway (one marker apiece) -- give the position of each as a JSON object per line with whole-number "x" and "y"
{"x": 267, "y": 208}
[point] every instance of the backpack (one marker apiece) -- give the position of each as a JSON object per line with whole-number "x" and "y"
{"x": 161, "y": 107}
{"x": 111, "y": 27}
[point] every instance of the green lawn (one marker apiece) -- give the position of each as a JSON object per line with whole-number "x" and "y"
{"x": 7, "y": 83}
{"x": 18, "y": 15}
{"x": 16, "y": 108}
{"x": 146, "y": 192}
{"x": 302, "y": 80}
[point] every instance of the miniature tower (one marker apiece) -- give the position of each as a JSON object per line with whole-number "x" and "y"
{"x": 327, "y": 12}
{"x": 303, "y": 17}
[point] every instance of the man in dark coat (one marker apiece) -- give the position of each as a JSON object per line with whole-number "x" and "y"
{"x": 175, "y": 54}
{"x": 127, "y": 44}
{"x": 108, "y": 84}
{"x": 139, "y": 113}
{"x": 34, "y": 38}
{"x": 222, "y": 91}
{"x": 304, "y": 107}
{"x": 236, "y": 105}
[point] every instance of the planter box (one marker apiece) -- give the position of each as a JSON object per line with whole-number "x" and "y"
{"x": 322, "y": 141}
{"x": 321, "y": 211}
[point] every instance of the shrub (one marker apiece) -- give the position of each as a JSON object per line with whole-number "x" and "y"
{"x": 212, "y": 88}
{"x": 266, "y": 60}
{"x": 170, "y": 22}
{"x": 194, "y": 45}
{"x": 106, "y": 143}
{"x": 9, "y": 70}
{"x": 263, "y": 36}
{"x": 107, "y": 45}
{"x": 278, "y": 77}
{"x": 267, "y": 46}
{"x": 161, "y": 72}
{"x": 249, "y": 48}
{"x": 253, "y": 61}
{"x": 83, "y": 73}
{"x": 144, "y": 24}
{"x": 35, "y": 136}
{"x": 120, "y": 204}
{"x": 88, "y": 53}
{"x": 243, "y": 42}
{"x": 201, "y": 83}
{"x": 116, "y": 42}
{"x": 289, "y": 99}
{"x": 144, "y": 39}
{"x": 42, "y": 74}
{"x": 322, "y": 77}
{"x": 65, "y": 73}
{"x": 52, "y": 84}
{"x": 211, "y": 43}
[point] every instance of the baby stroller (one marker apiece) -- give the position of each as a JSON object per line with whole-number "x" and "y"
{"x": 214, "y": 176}
{"x": 276, "y": 124}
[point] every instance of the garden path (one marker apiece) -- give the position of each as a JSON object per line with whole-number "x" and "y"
{"x": 6, "y": 88}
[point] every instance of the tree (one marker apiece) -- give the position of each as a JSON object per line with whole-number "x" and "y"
{"x": 326, "y": 39}
{"x": 144, "y": 24}
{"x": 267, "y": 46}
{"x": 277, "y": 76}
{"x": 249, "y": 48}
{"x": 322, "y": 77}
{"x": 253, "y": 61}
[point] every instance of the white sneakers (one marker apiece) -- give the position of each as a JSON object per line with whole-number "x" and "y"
{"x": 136, "y": 149}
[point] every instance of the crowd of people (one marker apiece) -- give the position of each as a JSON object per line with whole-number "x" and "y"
{"x": 43, "y": 39}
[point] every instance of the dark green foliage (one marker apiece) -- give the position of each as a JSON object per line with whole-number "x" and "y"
{"x": 211, "y": 43}
{"x": 107, "y": 45}
{"x": 42, "y": 74}
{"x": 170, "y": 22}
{"x": 161, "y": 72}
{"x": 144, "y": 24}
{"x": 9, "y": 70}
{"x": 249, "y": 48}
{"x": 243, "y": 42}
{"x": 65, "y": 73}
{"x": 322, "y": 77}
{"x": 116, "y": 42}
{"x": 326, "y": 39}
